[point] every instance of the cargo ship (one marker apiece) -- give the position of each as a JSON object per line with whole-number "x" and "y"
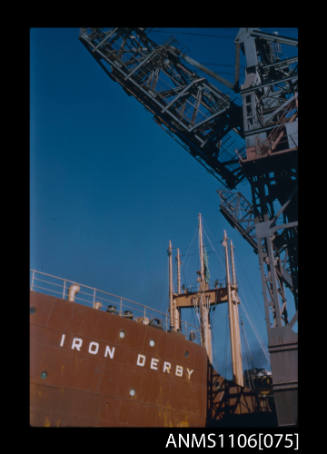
{"x": 101, "y": 360}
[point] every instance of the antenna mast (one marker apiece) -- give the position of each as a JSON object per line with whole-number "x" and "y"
{"x": 173, "y": 310}
{"x": 234, "y": 323}
{"x": 203, "y": 300}
{"x": 170, "y": 274}
{"x": 178, "y": 259}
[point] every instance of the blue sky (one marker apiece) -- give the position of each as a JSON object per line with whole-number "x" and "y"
{"x": 109, "y": 188}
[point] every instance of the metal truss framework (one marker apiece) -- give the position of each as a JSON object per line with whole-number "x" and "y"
{"x": 190, "y": 108}
{"x": 240, "y": 214}
{"x": 270, "y": 127}
{"x": 206, "y": 122}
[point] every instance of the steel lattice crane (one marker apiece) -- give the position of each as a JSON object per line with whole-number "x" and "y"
{"x": 185, "y": 104}
{"x": 256, "y": 141}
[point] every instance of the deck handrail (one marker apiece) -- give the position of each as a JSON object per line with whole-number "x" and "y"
{"x": 58, "y": 286}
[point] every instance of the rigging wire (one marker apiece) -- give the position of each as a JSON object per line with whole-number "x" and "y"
{"x": 243, "y": 305}
{"x": 227, "y": 349}
{"x": 247, "y": 280}
{"x": 265, "y": 352}
{"x": 187, "y": 258}
{"x": 250, "y": 363}
{"x": 212, "y": 246}
{"x": 215, "y": 341}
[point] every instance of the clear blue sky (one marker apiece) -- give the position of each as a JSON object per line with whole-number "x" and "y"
{"x": 109, "y": 188}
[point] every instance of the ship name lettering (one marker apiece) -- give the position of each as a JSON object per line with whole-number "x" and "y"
{"x": 166, "y": 368}
{"x": 62, "y": 340}
{"x": 93, "y": 347}
{"x": 109, "y": 351}
{"x": 77, "y": 343}
{"x": 154, "y": 363}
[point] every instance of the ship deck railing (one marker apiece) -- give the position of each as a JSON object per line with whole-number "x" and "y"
{"x": 107, "y": 302}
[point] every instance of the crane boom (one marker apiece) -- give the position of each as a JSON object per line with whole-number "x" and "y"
{"x": 186, "y": 105}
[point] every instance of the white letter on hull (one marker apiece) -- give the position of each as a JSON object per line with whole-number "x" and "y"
{"x": 140, "y": 360}
{"x": 166, "y": 367}
{"x": 77, "y": 343}
{"x": 154, "y": 364}
{"x": 189, "y": 372}
{"x": 179, "y": 371}
{"x": 93, "y": 348}
{"x": 109, "y": 351}
{"x": 62, "y": 341}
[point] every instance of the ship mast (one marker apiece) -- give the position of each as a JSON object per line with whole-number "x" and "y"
{"x": 178, "y": 259}
{"x": 204, "y": 298}
{"x": 234, "y": 324}
{"x": 174, "y": 314}
{"x": 204, "y": 304}
{"x": 170, "y": 277}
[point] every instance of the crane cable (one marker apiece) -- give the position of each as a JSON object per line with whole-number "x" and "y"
{"x": 264, "y": 350}
{"x": 187, "y": 256}
{"x": 247, "y": 354}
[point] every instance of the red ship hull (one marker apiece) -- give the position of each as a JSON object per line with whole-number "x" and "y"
{"x": 92, "y": 368}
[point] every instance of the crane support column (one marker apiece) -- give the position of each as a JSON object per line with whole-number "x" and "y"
{"x": 270, "y": 125}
